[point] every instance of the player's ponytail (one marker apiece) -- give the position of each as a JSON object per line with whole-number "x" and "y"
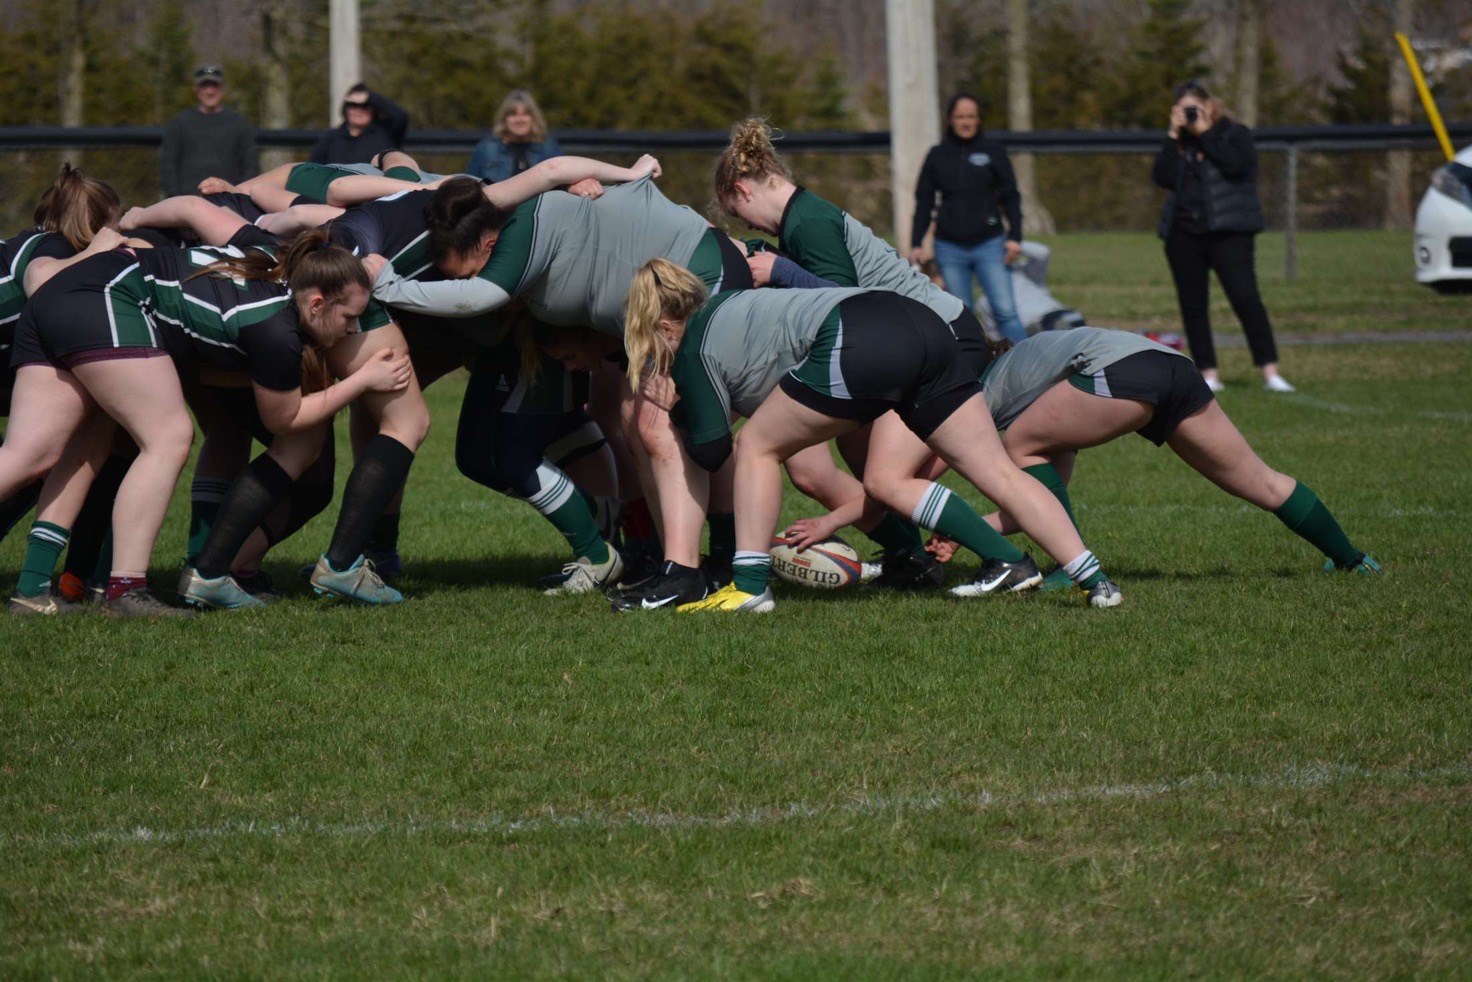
{"x": 459, "y": 216}
{"x": 76, "y": 206}
{"x": 750, "y": 156}
{"x": 660, "y": 289}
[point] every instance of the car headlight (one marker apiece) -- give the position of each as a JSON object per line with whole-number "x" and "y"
{"x": 1455, "y": 181}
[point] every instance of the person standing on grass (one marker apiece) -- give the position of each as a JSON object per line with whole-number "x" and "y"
{"x": 371, "y": 124}
{"x": 520, "y": 139}
{"x": 1209, "y": 222}
{"x": 978, "y": 191}
{"x": 206, "y": 140}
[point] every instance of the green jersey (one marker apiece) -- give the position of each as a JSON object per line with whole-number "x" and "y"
{"x": 737, "y": 348}
{"x": 833, "y": 245}
{"x": 16, "y": 254}
{"x": 1016, "y": 379}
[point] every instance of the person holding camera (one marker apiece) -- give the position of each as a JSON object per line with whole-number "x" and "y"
{"x": 1209, "y": 165}
{"x": 371, "y": 124}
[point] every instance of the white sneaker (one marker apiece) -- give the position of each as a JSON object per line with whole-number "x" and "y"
{"x": 1278, "y": 383}
{"x": 1214, "y": 384}
{"x": 583, "y": 576}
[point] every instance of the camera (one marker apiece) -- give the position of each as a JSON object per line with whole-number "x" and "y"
{"x": 1192, "y": 115}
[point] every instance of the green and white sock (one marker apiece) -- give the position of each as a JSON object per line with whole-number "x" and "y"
{"x": 750, "y": 571}
{"x": 44, "y": 547}
{"x": 896, "y": 536}
{"x": 558, "y": 501}
{"x": 1307, "y": 517}
{"x": 1049, "y": 477}
{"x": 940, "y": 511}
{"x": 1085, "y": 570}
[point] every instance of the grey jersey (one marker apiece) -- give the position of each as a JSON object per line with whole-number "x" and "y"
{"x": 881, "y": 268}
{"x": 737, "y": 348}
{"x": 1019, "y": 377}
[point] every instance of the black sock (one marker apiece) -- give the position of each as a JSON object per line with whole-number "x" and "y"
{"x": 385, "y": 535}
{"x": 18, "y": 506}
{"x": 89, "y": 531}
{"x": 381, "y": 468}
{"x": 251, "y": 498}
{"x": 308, "y": 498}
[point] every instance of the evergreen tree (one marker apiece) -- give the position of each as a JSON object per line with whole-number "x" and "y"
{"x": 1168, "y": 52}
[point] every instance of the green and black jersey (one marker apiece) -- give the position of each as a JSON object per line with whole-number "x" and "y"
{"x": 395, "y": 228}
{"x": 834, "y": 246}
{"x": 571, "y": 258}
{"x": 16, "y": 254}
{"x": 227, "y": 323}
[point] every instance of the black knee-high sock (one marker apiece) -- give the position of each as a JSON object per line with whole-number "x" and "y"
{"x": 89, "y": 531}
{"x": 381, "y": 468}
{"x": 18, "y": 506}
{"x": 308, "y": 498}
{"x": 251, "y": 498}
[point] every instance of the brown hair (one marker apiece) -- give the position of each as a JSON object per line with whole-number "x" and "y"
{"x": 76, "y": 206}
{"x": 1214, "y": 108}
{"x": 660, "y": 289}
{"x": 749, "y": 156}
{"x": 520, "y": 98}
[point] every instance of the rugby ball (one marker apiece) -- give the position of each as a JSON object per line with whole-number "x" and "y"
{"x": 828, "y": 565}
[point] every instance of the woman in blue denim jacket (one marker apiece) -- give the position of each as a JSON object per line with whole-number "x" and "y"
{"x": 518, "y": 140}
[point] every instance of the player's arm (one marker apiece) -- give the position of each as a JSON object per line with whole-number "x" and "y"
{"x": 212, "y": 224}
{"x": 557, "y": 172}
{"x": 42, "y": 268}
{"x": 820, "y": 248}
{"x": 289, "y": 411}
{"x": 445, "y": 298}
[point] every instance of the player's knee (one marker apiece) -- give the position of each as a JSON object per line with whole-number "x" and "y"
{"x": 882, "y": 484}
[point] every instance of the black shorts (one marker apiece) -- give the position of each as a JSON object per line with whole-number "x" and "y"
{"x": 1169, "y": 382}
{"x": 735, "y": 270}
{"x": 974, "y": 349}
{"x": 881, "y": 351}
{"x": 250, "y": 236}
{"x": 95, "y": 310}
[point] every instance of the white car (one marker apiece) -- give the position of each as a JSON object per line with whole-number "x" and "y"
{"x": 1444, "y": 228}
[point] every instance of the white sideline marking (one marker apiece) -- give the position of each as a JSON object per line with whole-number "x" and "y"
{"x": 1290, "y": 778}
{"x": 1348, "y": 410}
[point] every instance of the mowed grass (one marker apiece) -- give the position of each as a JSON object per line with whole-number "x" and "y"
{"x": 1252, "y": 767}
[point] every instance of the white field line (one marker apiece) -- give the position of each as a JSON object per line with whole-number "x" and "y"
{"x": 1289, "y": 779}
{"x": 1445, "y": 416}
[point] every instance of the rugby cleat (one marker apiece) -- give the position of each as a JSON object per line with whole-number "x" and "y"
{"x": 728, "y": 598}
{"x": 717, "y": 571}
{"x": 141, "y": 603}
{"x": 217, "y": 593}
{"x": 673, "y": 586}
{"x": 582, "y": 575}
{"x": 260, "y": 586}
{"x": 996, "y": 576}
{"x": 1105, "y": 594}
{"x": 871, "y": 569}
{"x": 387, "y": 564}
{"x": 909, "y": 571}
{"x": 358, "y": 582}
{"x": 49, "y": 604}
{"x": 1364, "y": 565}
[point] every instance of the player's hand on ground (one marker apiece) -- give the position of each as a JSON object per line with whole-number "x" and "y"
{"x": 942, "y": 548}
{"x": 588, "y": 187}
{"x": 761, "y": 267}
{"x": 388, "y": 371}
{"x": 647, "y": 166}
{"x": 810, "y": 531}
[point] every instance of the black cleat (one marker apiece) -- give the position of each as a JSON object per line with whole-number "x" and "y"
{"x": 996, "y": 576}
{"x": 917, "y": 570}
{"x": 672, "y": 586}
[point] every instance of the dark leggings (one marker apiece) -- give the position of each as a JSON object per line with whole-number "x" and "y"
{"x": 1192, "y": 258}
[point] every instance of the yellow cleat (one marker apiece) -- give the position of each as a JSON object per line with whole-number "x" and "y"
{"x": 728, "y": 598}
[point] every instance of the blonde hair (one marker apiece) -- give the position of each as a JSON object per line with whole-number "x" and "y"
{"x": 660, "y": 289}
{"x": 76, "y": 206}
{"x": 749, "y": 156}
{"x": 520, "y": 98}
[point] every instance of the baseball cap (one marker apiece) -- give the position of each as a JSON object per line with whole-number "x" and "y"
{"x": 208, "y": 73}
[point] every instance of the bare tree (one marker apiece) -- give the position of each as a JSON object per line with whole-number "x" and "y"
{"x": 1019, "y": 116}
{"x": 74, "y": 69}
{"x": 276, "y": 92}
{"x": 1249, "y": 60}
{"x": 1398, "y": 162}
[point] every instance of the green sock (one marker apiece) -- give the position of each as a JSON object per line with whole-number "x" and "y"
{"x": 1306, "y": 516}
{"x": 943, "y": 512}
{"x": 896, "y": 536}
{"x": 559, "y": 502}
{"x": 1049, "y": 477}
{"x": 44, "y": 547}
{"x": 722, "y": 534}
{"x": 750, "y": 572}
{"x": 206, "y": 495}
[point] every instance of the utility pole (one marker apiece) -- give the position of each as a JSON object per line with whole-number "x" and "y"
{"x": 914, "y": 116}
{"x": 345, "y": 66}
{"x": 1398, "y": 207}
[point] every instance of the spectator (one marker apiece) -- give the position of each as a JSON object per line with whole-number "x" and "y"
{"x": 371, "y": 124}
{"x": 1209, "y": 222}
{"x": 977, "y": 188}
{"x": 206, "y": 141}
{"x": 517, "y": 141}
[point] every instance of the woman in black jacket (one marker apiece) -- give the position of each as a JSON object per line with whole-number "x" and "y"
{"x": 1209, "y": 165}
{"x": 977, "y": 190}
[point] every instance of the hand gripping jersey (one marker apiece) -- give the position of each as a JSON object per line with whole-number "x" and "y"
{"x": 1016, "y": 379}
{"x": 16, "y": 254}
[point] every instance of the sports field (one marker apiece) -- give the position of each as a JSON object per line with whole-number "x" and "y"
{"x": 1251, "y": 767}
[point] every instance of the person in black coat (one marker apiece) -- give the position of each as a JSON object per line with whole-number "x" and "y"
{"x": 371, "y": 124}
{"x": 978, "y": 190}
{"x": 1209, "y": 222}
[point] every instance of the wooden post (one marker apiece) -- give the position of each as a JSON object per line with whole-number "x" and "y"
{"x": 1290, "y": 226}
{"x": 345, "y": 66}
{"x": 1036, "y": 220}
{"x": 914, "y": 113}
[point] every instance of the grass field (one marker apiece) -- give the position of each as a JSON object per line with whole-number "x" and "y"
{"x": 1252, "y": 767}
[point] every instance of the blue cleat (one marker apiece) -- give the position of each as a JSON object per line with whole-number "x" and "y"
{"x": 387, "y": 564}
{"x": 1365, "y": 565}
{"x": 358, "y": 582}
{"x": 220, "y": 593}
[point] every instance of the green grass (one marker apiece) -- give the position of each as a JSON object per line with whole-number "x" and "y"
{"x": 1252, "y": 767}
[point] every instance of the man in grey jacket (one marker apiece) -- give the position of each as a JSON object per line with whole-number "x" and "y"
{"x": 206, "y": 141}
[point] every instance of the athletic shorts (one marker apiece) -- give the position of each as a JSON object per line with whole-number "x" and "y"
{"x": 93, "y": 311}
{"x": 403, "y": 174}
{"x": 881, "y": 351}
{"x": 312, "y": 180}
{"x": 1170, "y": 383}
{"x": 976, "y": 353}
